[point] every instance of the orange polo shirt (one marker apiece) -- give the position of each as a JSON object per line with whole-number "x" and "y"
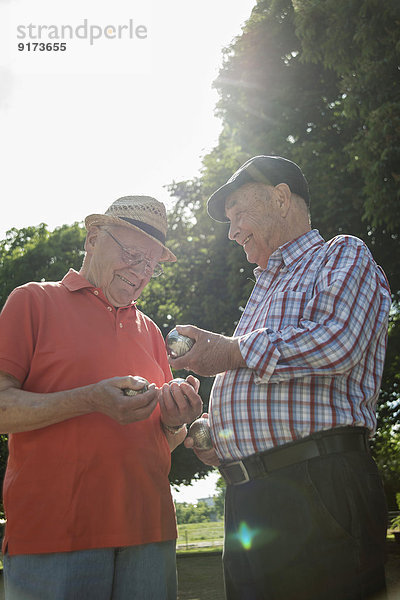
{"x": 87, "y": 482}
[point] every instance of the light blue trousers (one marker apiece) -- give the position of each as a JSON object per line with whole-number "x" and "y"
{"x": 145, "y": 572}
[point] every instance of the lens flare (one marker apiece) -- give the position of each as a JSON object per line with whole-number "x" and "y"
{"x": 226, "y": 434}
{"x": 246, "y": 535}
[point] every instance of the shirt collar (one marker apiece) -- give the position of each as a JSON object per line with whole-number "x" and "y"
{"x": 74, "y": 281}
{"x": 289, "y": 253}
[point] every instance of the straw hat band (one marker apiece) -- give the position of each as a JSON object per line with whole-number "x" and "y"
{"x": 146, "y": 228}
{"x": 139, "y": 213}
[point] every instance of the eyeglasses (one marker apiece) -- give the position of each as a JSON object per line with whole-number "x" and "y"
{"x": 137, "y": 260}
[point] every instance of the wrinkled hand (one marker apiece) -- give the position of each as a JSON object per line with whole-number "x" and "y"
{"x": 180, "y": 402}
{"x": 208, "y": 457}
{"x": 108, "y": 398}
{"x": 212, "y": 353}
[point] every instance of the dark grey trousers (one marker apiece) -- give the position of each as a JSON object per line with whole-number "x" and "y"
{"x": 313, "y": 531}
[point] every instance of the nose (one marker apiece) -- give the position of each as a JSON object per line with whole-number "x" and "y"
{"x": 233, "y": 231}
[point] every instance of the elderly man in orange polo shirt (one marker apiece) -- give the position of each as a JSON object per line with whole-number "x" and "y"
{"x": 87, "y": 497}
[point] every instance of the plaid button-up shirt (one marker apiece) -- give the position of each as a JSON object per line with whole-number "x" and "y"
{"x": 313, "y": 335}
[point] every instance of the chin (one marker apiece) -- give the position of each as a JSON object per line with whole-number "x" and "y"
{"x": 251, "y": 259}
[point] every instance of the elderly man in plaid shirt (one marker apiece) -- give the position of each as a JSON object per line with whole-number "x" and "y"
{"x": 293, "y": 404}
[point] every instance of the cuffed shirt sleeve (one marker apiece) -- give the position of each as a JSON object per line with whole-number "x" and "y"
{"x": 348, "y": 306}
{"x": 259, "y": 353}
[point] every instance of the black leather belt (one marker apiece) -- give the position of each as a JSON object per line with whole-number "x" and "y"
{"x": 340, "y": 439}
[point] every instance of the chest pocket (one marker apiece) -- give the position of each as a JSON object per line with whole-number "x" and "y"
{"x": 282, "y": 309}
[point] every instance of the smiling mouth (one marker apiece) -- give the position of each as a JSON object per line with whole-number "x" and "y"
{"x": 247, "y": 239}
{"x": 125, "y": 280}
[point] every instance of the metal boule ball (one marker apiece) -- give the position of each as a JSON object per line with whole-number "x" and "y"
{"x": 199, "y": 431}
{"x": 144, "y": 388}
{"x": 178, "y": 344}
{"x": 177, "y": 380}
{"x": 180, "y": 380}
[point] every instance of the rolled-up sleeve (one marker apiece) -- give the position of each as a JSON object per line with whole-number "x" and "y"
{"x": 328, "y": 333}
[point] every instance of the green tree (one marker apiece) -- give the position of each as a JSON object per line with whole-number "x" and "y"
{"x": 35, "y": 254}
{"x": 219, "y": 499}
{"x": 299, "y": 84}
{"x": 192, "y": 513}
{"x": 201, "y": 287}
{"x": 386, "y": 442}
{"x": 365, "y": 55}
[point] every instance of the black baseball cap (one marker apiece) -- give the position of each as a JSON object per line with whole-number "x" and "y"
{"x": 261, "y": 169}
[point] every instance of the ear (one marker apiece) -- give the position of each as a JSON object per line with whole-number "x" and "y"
{"x": 91, "y": 239}
{"x": 284, "y": 197}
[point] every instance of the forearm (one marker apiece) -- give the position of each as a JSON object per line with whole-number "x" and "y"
{"x": 25, "y": 411}
{"x": 236, "y": 360}
{"x": 211, "y": 354}
{"x": 21, "y": 410}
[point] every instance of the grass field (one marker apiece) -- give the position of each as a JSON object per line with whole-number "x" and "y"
{"x": 200, "y": 577}
{"x": 198, "y": 536}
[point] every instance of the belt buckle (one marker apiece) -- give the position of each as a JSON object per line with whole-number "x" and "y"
{"x": 245, "y": 473}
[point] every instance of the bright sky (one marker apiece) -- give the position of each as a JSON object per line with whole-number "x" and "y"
{"x": 129, "y": 113}
{"x": 201, "y": 488}
{"x": 126, "y": 114}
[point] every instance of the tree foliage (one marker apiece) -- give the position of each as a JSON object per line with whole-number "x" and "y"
{"x": 202, "y": 510}
{"x": 359, "y": 41}
{"x": 35, "y": 254}
{"x": 196, "y": 513}
{"x": 301, "y": 84}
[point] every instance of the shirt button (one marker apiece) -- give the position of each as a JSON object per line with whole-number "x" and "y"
{"x": 109, "y": 308}
{"x": 96, "y": 292}
{"x": 121, "y": 326}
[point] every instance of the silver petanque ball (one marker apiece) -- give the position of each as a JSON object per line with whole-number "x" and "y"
{"x": 144, "y": 388}
{"x": 177, "y": 344}
{"x": 199, "y": 431}
{"x": 177, "y": 380}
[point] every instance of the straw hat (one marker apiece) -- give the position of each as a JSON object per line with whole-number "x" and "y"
{"x": 141, "y": 213}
